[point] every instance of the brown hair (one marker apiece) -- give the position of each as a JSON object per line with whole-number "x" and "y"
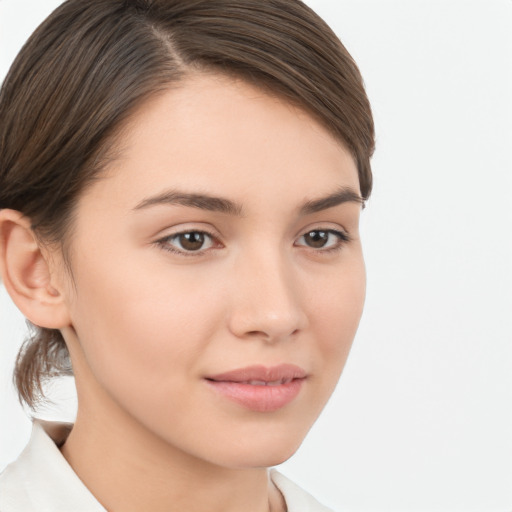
{"x": 90, "y": 63}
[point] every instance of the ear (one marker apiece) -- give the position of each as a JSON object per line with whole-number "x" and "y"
{"x": 26, "y": 273}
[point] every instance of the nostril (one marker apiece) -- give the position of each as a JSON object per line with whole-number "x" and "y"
{"x": 256, "y": 333}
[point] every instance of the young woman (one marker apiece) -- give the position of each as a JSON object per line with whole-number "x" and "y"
{"x": 180, "y": 191}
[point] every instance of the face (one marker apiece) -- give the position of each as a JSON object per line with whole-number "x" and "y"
{"x": 218, "y": 278}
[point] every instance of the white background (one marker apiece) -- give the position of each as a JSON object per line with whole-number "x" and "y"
{"x": 422, "y": 418}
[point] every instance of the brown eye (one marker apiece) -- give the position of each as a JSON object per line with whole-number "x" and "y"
{"x": 323, "y": 239}
{"x": 191, "y": 241}
{"x": 316, "y": 239}
{"x": 188, "y": 242}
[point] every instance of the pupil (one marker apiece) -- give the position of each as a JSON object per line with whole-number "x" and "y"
{"x": 316, "y": 238}
{"x": 192, "y": 241}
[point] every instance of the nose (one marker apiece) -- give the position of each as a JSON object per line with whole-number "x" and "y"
{"x": 266, "y": 300}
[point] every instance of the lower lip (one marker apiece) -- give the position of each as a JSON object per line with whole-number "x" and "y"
{"x": 259, "y": 398}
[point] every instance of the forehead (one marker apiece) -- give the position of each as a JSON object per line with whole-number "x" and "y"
{"x": 224, "y": 136}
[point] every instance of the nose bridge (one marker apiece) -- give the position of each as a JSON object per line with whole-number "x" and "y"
{"x": 266, "y": 302}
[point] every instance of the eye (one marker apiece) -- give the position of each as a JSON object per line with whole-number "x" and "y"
{"x": 326, "y": 239}
{"x": 187, "y": 242}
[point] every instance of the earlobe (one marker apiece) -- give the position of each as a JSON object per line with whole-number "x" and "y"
{"x": 26, "y": 273}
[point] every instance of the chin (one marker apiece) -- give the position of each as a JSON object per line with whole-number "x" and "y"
{"x": 258, "y": 459}
{"x": 275, "y": 459}
{"x": 268, "y": 450}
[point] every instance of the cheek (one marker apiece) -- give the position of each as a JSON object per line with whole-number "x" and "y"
{"x": 337, "y": 310}
{"x": 138, "y": 331}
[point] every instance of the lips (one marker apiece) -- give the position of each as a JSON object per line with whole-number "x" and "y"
{"x": 264, "y": 383}
{"x": 260, "y": 388}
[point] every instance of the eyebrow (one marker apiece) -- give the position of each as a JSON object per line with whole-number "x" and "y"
{"x": 222, "y": 205}
{"x": 201, "y": 201}
{"x": 343, "y": 195}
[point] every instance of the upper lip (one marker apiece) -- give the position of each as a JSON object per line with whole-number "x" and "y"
{"x": 258, "y": 373}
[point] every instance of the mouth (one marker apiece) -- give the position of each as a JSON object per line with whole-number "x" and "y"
{"x": 259, "y": 388}
{"x": 265, "y": 383}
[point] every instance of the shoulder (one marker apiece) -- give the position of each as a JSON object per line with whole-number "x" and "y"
{"x": 296, "y": 498}
{"x": 42, "y": 480}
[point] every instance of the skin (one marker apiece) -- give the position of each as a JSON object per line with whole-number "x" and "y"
{"x": 145, "y": 325}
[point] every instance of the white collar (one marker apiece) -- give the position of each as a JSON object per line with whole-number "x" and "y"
{"x": 41, "y": 480}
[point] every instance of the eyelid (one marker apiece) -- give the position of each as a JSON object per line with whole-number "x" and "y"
{"x": 342, "y": 235}
{"x": 323, "y": 226}
{"x": 164, "y": 242}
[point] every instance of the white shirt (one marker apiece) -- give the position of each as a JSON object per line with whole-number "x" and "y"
{"x": 41, "y": 480}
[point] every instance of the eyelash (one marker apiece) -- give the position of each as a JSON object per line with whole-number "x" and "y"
{"x": 342, "y": 236}
{"x": 164, "y": 243}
